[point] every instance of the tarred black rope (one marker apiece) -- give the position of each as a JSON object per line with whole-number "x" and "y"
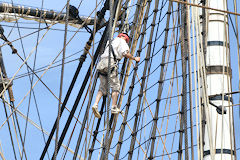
{"x": 82, "y": 59}
{"x": 85, "y": 118}
{"x": 95, "y": 133}
{"x": 103, "y": 43}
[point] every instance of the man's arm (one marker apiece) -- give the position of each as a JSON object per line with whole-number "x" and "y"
{"x": 128, "y": 55}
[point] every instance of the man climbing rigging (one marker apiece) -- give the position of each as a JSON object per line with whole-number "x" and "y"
{"x": 120, "y": 49}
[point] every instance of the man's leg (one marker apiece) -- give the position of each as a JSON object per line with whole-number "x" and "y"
{"x": 114, "y": 98}
{"x": 101, "y": 91}
{"x": 98, "y": 97}
{"x": 95, "y": 105}
{"x": 115, "y": 85}
{"x": 115, "y": 109}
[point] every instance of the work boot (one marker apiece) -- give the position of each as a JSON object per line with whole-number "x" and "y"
{"x": 95, "y": 111}
{"x": 115, "y": 110}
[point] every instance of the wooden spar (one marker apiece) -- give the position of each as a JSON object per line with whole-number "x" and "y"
{"x": 10, "y": 12}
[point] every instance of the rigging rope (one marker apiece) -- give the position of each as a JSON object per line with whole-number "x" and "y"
{"x": 205, "y": 7}
{"x": 134, "y": 133}
{"x": 105, "y": 150}
{"x": 82, "y": 59}
{"x": 81, "y": 91}
{"x": 238, "y": 51}
{"x": 130, "y": 94}
{"x": 128, "y": 69}
{"x": 61, "y": 80}
{"x": 141, "y": 125}
{"x": 160, "y": 85}
{"x": 85, "y": 117}
{"x": 12, "y": 102}
{"x": 195, "y": 79}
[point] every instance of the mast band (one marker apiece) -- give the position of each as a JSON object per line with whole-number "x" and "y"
{"x": 217, "y": 43}
{"x": 219, "y": 97}
{"x": 219, "y": 70}
{"x": 219, "y": 151}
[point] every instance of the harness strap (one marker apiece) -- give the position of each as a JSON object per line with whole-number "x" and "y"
{"x": 114, "y": 55}
{"x": 104, "y": 73}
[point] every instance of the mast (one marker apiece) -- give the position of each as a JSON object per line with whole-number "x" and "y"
{"x": 218, "y": 133}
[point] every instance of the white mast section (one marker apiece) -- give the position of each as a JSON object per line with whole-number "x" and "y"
{"x": 218, "y": 77}
{"x": 10, "y": 13}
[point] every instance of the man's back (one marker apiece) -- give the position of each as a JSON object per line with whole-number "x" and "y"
{"x": 120, "y": 47}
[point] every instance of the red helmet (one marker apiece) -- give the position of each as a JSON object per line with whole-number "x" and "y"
{"x": 124, "y": 35}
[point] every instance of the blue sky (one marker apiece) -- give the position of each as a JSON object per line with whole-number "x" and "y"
{"x": 47, "y": 104}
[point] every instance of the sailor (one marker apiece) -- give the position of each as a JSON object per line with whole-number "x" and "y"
{"x": 120, "y": 49}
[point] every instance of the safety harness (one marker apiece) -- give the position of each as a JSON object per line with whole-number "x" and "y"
{"x": 115, "y": 60}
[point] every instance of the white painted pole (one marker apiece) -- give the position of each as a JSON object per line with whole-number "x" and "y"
{"x": 218, "y": 70}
